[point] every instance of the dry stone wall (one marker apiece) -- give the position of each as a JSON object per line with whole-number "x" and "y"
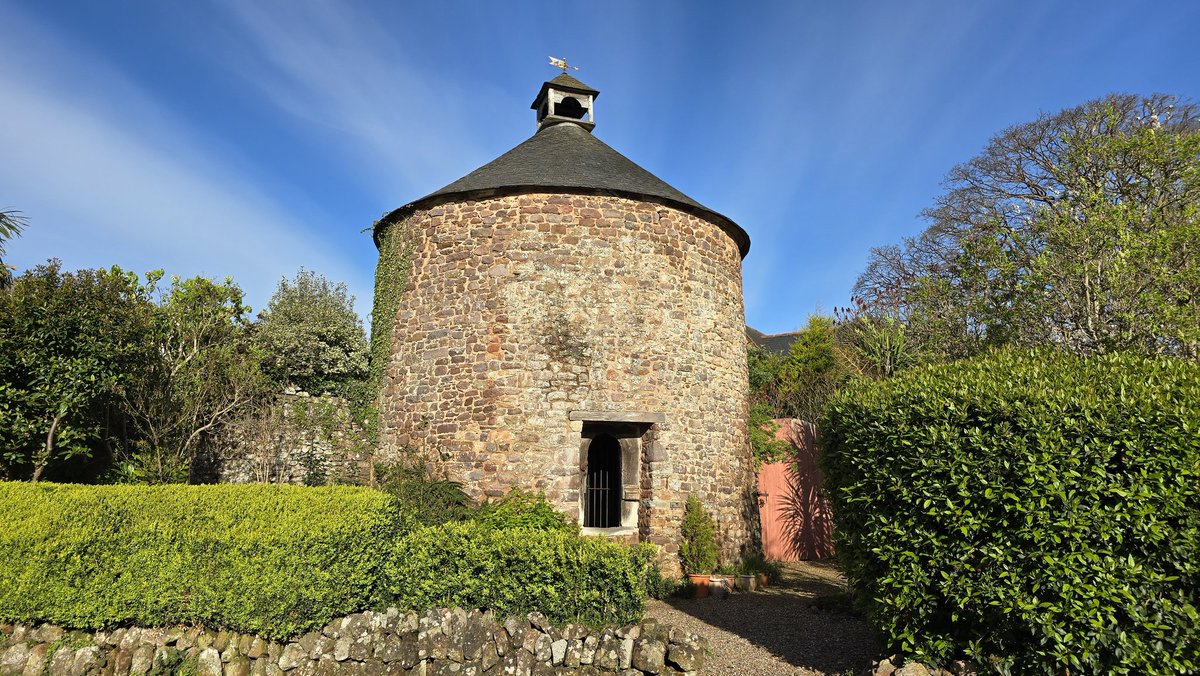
{"x": 443, "y": 641}
{"x": 295, "y": 439}
{"x": 519, "y": 310}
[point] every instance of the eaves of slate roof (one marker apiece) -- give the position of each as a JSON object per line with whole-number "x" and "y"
{"x": 566, "y": 158}
{"x": 777, "y": 343}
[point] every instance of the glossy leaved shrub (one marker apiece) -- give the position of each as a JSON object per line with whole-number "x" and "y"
{"x": 518, "y": 570}
{"x": 273, "y": 560}
{"x": 1030, "y": 509}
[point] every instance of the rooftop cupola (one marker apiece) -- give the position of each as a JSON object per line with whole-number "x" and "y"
{"x": 564, "y": 157}
{"x": 565, "y": 99}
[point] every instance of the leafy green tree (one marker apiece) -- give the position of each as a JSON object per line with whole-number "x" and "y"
{"x": 1080, "y": 229}
{"x": 763, "y": 371}
{"x": 797, "y": 384}
{"x": 68, "y": 340}
{"x": 765, "y": 379}
{"x": 204, "y": 374}
{"x": 876, "y": 343}
{"x": 11, "y": 225}
{"x": 311, "y": 338}
{"x": 814, "y": 369}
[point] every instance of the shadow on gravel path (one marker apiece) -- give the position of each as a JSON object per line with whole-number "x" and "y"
{"x": 803, "y": 625}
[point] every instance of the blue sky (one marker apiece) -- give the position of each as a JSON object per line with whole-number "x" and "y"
{"x": 249, "y": 138}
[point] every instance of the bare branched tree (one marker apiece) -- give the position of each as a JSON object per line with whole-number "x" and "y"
{"x": 1081, "y": 229}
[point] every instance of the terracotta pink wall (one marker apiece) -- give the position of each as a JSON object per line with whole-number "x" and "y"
{"x": 797, "y": 524}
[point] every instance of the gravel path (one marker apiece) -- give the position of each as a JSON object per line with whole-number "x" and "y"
{"x": 801, "y": 626}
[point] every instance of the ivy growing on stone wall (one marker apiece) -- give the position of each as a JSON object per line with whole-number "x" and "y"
{"x": 310, "y": 337}
{"x": 396, "y": 244}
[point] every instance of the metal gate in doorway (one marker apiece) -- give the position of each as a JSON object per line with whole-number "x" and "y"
{"x": 602, "y": 507}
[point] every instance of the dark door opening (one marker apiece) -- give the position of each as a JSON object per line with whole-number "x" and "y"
{"x": 603, "y": 506}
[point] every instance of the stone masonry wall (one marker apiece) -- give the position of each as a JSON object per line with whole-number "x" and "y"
{"x": 297, "y": 439}
{"x": 521, "y": 309}
{"x": 436, "y": 642}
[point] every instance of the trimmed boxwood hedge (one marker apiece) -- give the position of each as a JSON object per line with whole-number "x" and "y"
{"x": 518, "y": 570}
{"x": 282, "y": 560}
{"x": 273, "y": 560}
{"x": 1034, "y": 509}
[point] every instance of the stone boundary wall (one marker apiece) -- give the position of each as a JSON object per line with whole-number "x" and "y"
{"x": 442, "y": 641}
{"x": 296, "y": 438}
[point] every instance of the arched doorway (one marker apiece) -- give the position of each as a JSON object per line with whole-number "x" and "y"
{"x": 602, "y": 505}
{"x": 570, "y": 107}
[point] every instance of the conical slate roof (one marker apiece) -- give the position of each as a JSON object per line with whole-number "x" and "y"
{"x": 567, "y": 158}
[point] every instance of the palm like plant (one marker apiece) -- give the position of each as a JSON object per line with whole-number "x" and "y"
{"x": 11, "y": 224}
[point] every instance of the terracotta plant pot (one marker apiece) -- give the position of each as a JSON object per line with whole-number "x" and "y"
{"x": 700, "y": 582}
{"x": 762, "y": 579}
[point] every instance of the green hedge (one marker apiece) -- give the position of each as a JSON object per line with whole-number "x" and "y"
{"x": 1035, "y": 506}
{"x": 274, "y": 560}
{"x": 518, "y": 509}
{"x": 518, "y": 570}
{"x": 281, "y": 560}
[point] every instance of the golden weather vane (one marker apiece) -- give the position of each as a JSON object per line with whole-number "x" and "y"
{"x": 561, "y": 63}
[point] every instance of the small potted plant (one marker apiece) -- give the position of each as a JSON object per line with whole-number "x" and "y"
{"x": 753, "y": 563}
{"x": 746, "y": 575}
{"x": 698, "y": 547}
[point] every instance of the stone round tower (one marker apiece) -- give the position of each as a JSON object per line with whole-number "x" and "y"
{"x": 562, "y": 320}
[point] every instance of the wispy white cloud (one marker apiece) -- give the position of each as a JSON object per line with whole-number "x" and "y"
{"x": 107, "y": 176}
{"x": 842, "y": 94}
{"x": 405, "y": 129}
